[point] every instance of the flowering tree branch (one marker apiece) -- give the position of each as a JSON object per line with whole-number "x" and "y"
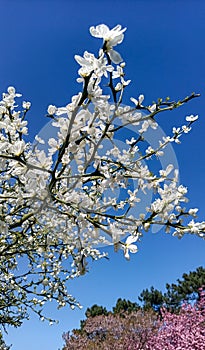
{"x": 59, "y": 199}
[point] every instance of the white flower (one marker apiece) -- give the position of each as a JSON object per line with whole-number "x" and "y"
{"x": 128, "y": 246}
{"x": 145, "y": 126}
{"x": 111, "y": 37}
{"x": 194, "y": 227}
{"x": 125, "y": 82}
{"x": 42, "y": 160}
{"x": 26, "y": 105}
{"x": 175, "y": 130}
{"x": 153, "y": 108}
{"x": 52, "y": 109}
{"x": 118, "y": 87}
{"x": 131, "y": 142}
{"x": 185, "y": 129}
{"x": 133, "y": 198}
{"x": 118, "y": 73}
{"x": 193, "y": 211}
{"x": 139, "y": 101}
{"x": 18, "y": 148}
{"x": 167, "y": 171}
{"x": 87, "y": 62}
{"x": 192, "y": 118}
{"x": 54, "y": 144}
{"x": 90, "y": 63}
{"x": 39, "y": 140}
{"x": 11, "y": 90}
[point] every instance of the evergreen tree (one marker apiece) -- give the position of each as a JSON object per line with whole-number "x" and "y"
{"x": 95, "y": 310}
{"x": 124, "y": 305}
{"x": 153, "y": 299}
{"x": 186, "y": 289}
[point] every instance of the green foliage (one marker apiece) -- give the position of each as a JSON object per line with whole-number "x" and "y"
{"x": 96, "y": 310}
{"x": 186, "y": 289}
{"x": 92, "y": 311}
{"x": 152, "y": 299}
{"x": 124, "y": 305}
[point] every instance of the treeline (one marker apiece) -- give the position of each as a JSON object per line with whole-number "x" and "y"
{"x": 162, "y": 321}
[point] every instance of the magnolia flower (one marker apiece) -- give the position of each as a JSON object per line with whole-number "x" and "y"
{"x": 12, "y": 91}
{"x": 114, "y": 36}
{"x": 185, "y": 129}
{"x": 52, "y": 109}
{"x": 139, "y": 101}
{"x": 26, "y": 105}
{"x": 167, "y": 171}
{"x": 191, "y": 118}
{"x": 87, "y": 63}
{"x": 119, "y": 72}
{"x": 128, "y": 246}
{"x": 193, "y": 211}
{"x": 54, "y": 144}
{"x": 152, "y": 108}
{"x": 90, "y": 63}
{"x": 118, "y": 87}
{"x": 39, "y": 140}
{"x": 18, "y": 147}
{"x": 111, "y": 37}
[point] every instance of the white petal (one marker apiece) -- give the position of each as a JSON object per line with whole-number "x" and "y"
{"x": 82, "y": 61}
{"x": 153, "y": 108}
{"x": 115, "y": 56}
{"x": 133, "y": 248}
{"x": 116, "y": 40}
{"x": 169, "y": 168}
{"x": 141, "y": 99}
{"x": 117, "y": 27}
{"x": 126, "y": 254}
{"x": 11, "y": 90}
{"x": 131, "y": 239}
{"x": 191, "y": 118}
{"x": 134, "y": 101}
{"x": 99, "y": 31}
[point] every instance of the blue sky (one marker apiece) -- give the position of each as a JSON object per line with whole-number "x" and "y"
{"x": 165, "y": 54}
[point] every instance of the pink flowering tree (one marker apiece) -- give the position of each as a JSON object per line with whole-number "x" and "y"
{"x": 185, "y": 330}
{"x": 128, "y": 331}
{"x": 59, "y": 198}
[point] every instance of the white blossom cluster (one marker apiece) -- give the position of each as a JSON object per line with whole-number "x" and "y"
{"x": 58, "y": 206}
